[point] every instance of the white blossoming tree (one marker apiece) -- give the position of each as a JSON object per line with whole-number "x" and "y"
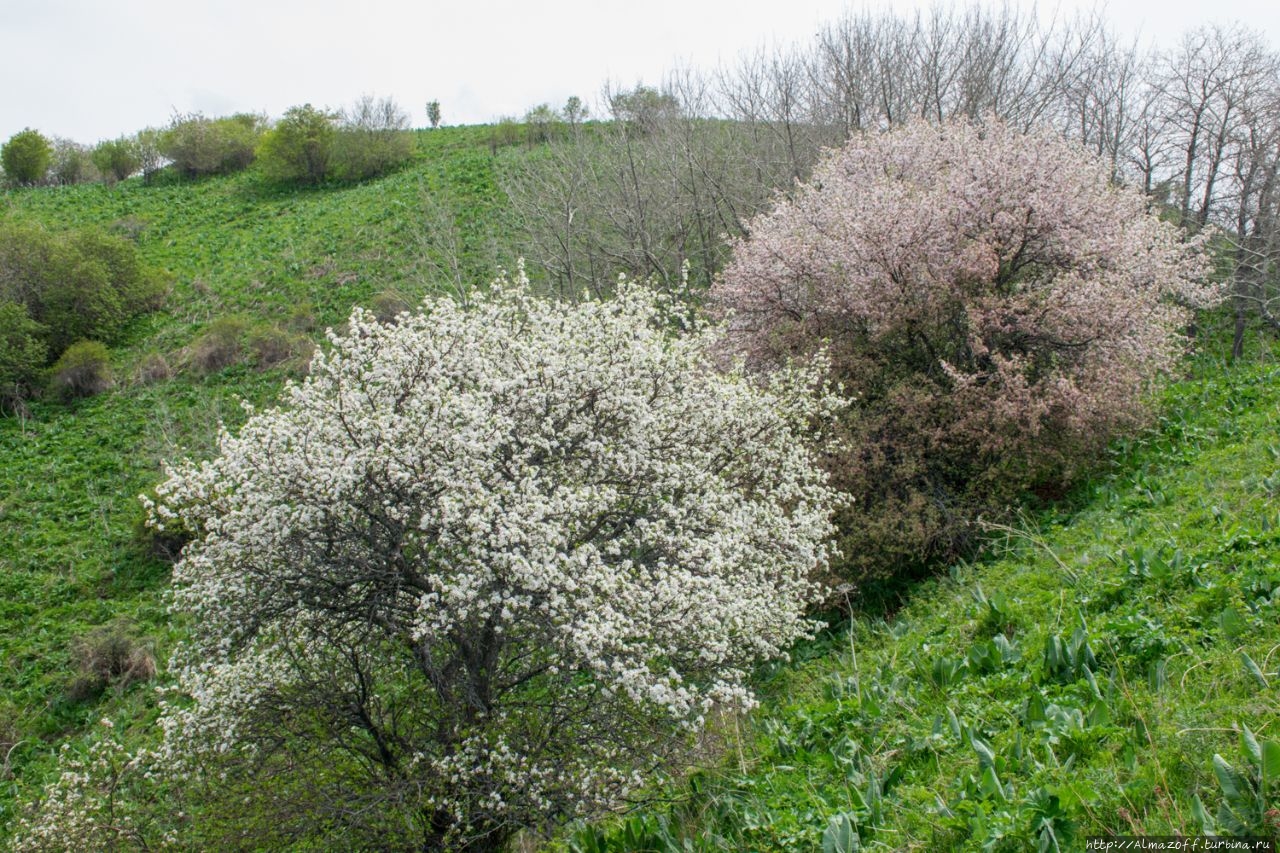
{"x": 485, "y": 568}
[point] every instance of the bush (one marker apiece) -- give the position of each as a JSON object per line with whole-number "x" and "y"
{"x": 81, "y": 283}
{"x": 147, "y": 145}
{"x": 23, "y": 353}
{"x": 110, "y": 656}
{"x": 26, "y": 157}
{"x": 485, "y": 569}
{"x": 82, "y": 371}
{"x": 299, "y": 147}
{"x": 998, "y": 309}
{"x": 543, "y": 124}
{"x": 219, "y": 346}
{"x": 153, "y": 368}
{"x": 77, "y": 285}
{"x": 139, "y": 289}
{"x": 272, "y": 346}
{"x": 71, "y": 163}
{"x": 372, "y": 139}
{"x": 389, "y": 304}
{"x": 203, "y": 146}
{"x": 117, "y": 159}
{"x": 507, "y": 132}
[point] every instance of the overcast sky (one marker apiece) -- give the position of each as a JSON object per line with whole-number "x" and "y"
{"x": 94, "y": 69}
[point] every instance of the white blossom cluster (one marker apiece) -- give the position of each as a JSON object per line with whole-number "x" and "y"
{"x": 509, "y": 553}
{"x": 93, "y": 803}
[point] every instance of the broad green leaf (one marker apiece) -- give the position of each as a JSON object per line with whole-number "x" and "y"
{"x": 990, "y": 785}
{"x": 1249, "y": 748}
{"x": 1270, "y": 760}
{"x": 1228, "y": 779}
{"x": 986, "y": 755}
{"x": 954, "y": 721}
{"x": 841, "y": 836}
{"x": 1207, "y": 824}
{"x": 1254, "y": 670}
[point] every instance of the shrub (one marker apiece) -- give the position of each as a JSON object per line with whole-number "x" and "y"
{"x": 117, "y": 159}
{"x": 23, "y": 353}
{"x": 110, "y": 656}
{"x": 26, "y": 157}
{"x": 139, "y": 289}
{"x": 272, "y": 346}
{"x": 153, "y": 368}
{"x": 543, "y": 124}
{"x": 997, "y": 308}
{"x": 203, "y": 146}
{"x": 644, "y": 109}
{"x": 484, "y": 569}
{"x": 507, "y": 132}
{"x": 82, "y": 371}
{"x": 147, "y": 145}
{"x": 299, "y": 147}
{"x": 372, "y": 139}
{"x": 78, "y": 300}
{"x": 219, "y": 346}
{"x": 389, "y": 304}
{"x": 71, "y": 163}
{"x": 77, "y": 285}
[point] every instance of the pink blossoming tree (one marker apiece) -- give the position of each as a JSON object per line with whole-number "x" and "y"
{"x": 995, "y": 306}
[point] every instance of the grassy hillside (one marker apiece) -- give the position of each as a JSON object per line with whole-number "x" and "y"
{"x": 1079, "y": 679}
{"x": 70, "y": 555}
{"x": 1109, "y": 669}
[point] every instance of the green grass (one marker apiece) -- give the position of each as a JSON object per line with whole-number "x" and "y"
{"x": 1077, "y": 680}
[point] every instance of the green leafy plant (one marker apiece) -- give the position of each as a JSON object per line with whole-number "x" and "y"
{"x": 22, "y": 352}
{"x": 117, "y": 159}
{"x": 207, "y": 146}
{"x": 300, "y": 146}
{"x": 1249, "y": 795}
{"x": 82, "y": 371}
{"x": 26, "y": 157}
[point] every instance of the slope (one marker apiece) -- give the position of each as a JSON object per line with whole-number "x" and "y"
{"x": 1110, "y": 669}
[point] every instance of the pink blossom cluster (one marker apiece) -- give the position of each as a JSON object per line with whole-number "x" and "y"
{"x": 994, "y": 282}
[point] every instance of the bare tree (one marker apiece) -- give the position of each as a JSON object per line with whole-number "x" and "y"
{"x": 687, "y": 164}
{"x": 650, "y": 194}
{"x": 1205, "y": 83}
{"x": 1256, "y": 230}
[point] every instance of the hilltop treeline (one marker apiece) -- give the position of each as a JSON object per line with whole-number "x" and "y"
{"x": 306, "y": 145}
{"x": 1195, "y": 125}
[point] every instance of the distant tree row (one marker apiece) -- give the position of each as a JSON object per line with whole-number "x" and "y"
{"x": 308, "y": 145}
{"x": 541, "y": 123}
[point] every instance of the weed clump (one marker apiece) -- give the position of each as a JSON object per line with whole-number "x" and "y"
{"x": 273, "y": 346}
{"x": 111, "y": 655}
{"x": 219, "y": 346}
